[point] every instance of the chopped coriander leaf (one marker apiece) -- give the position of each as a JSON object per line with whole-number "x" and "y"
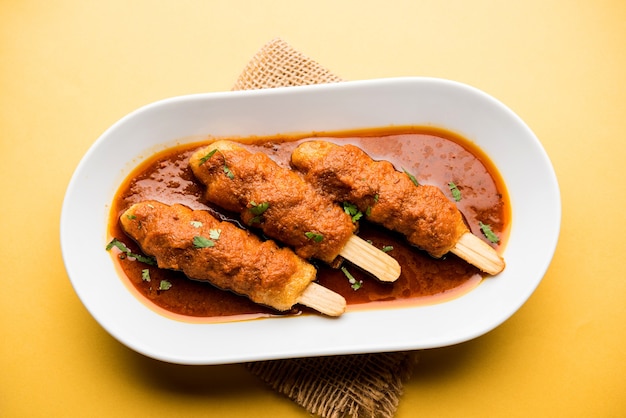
{"x": 489, "y": 234}
{"x": 353, "y": 211}
{"x": 314, "y": 236}
{"x": 376, "y": 197}
{"x": 202, "y": 242}
{"x": 127, "y": 253}
{"x": 229, "y": 173}
{"x": 350, "y": 208}
{"x": 119, "y": 244}
{"x": 258, "y": 209}
{"x": 131, "y": 216}
{"x": 147, "y": 260}
{"x": 387, "y": 248}
{"x": 411, "y": 176}
{"x": 456, "y": 193}
{"x": 227, "y": 170}
{"x": 356, "y": 284}
{"x": 145, "y": 275}
{"x": 206, "y": 157}
{"x": 165, "y": 285}
{"x": 368, "y": 211}
{"x": 350, "y": 277}
{"x": 196, "y": 224}
{"x": 215, "y": 234}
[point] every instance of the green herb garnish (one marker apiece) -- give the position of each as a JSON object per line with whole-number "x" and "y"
{"x": 228, "y": 173}
{"x": 196, "y": 224}
{"x": 489, "y": 234}
{"x": 257, "y": 210}
{"x": 353, "y": 211}
{"x": 119, "y": 244}
{"x": 126, "y": 252}
{"x": 215, "y": 234}
{"x": 411, "y": 176}
{"x": 142, "y": 258}
{"x": 202, "y": 242}
{"x": 227, "y": 170}
{"x": 145, "y": 275}
{"x": 207, "y": 157}
{"x": 314, "y": 236}
{"x": 456, "y": 193}
{"x": 165, "y": 285}
{"x": 355, "y": 284}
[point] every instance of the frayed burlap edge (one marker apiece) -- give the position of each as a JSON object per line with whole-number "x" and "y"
{"x": 279, "y": 65}
{"x": 358, "y": 386}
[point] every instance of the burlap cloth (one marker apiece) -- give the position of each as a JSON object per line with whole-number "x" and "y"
{"x": 364, "y": 385}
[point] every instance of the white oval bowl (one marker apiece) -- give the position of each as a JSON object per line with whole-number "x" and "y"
{"x": 502, "y": 135}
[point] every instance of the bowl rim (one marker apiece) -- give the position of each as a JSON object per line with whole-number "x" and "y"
{"x": 259, "y": 104}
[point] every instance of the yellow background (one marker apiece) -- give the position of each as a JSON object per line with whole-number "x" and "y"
{"x": 70, "y": 69}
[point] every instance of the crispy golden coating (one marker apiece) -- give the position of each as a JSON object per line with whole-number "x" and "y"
{"x": 272, "y": 198}
{"x": 390, "y": 198}
{"x": 225, "y": 255}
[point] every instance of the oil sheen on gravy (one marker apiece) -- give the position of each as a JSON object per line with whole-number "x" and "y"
{"x": 433, "y": 156}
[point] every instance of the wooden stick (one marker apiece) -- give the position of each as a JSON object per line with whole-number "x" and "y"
{"x": 371, "y": 259}
{"x": 323, "y": 300}
{"x": 478, "y": 253}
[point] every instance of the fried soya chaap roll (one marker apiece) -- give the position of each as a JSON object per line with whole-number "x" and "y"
{"x": 206, "y": 249}
{"x": 285, "y": 207}
{"x": 423, "y": 214}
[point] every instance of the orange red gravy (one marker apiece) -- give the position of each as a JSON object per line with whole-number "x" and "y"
{"x": 433, "y": 156}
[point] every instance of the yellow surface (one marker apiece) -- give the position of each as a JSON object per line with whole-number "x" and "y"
{"x": 69, "y": 69}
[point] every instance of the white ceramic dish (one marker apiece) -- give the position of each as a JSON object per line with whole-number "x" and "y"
{"x": 523, "y": 164}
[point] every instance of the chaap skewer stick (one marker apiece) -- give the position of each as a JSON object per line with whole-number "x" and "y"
{"x": 323, "y": 300}
{"x": 345, "y": 173}
{"x": 230, "y": 258}
{"x": 285, "y": 207}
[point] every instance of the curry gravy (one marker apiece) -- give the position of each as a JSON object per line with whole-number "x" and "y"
{"x": 433, "y": 156}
